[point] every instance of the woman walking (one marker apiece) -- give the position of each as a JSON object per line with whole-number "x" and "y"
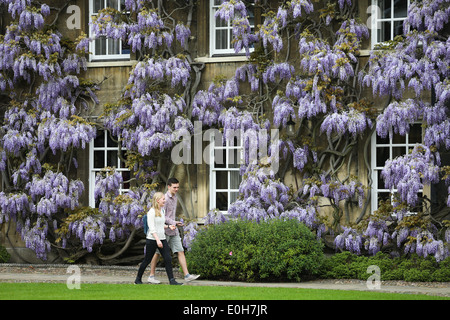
{"x": 156, "y": 237}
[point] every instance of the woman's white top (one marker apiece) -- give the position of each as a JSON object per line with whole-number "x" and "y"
{"x": 156, "y": 224}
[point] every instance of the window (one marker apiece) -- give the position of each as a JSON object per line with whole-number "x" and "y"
{"x": 224, "y": 173}
{"x": 383, "y": 149}
{"x": 103, "y": 152}
{"x": 388, "y": 17}
{"x": 221, "y": 33}
{"x": 104, "y": 48}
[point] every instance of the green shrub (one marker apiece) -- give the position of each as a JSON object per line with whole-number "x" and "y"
{"x": 250, "y": 251}
{"x": 346, "y": 265}
{"x": 4, "y": 255}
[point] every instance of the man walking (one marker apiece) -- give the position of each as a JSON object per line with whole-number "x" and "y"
{"x": 172, "y": 236}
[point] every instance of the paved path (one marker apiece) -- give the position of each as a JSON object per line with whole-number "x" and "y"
{"x": 126, "y": 275}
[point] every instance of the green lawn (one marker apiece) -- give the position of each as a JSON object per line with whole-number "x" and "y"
{"x": 59, "y": 291}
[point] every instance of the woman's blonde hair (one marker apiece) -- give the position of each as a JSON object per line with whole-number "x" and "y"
{"x": 156, "y": 197}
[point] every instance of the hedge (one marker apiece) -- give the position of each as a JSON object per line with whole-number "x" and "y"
{"x": 346, "y": 265}
{"x": 274, "y": 250}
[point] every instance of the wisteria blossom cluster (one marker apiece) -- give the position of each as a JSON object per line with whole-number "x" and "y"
{"x": 423, "y": 241}
{"x": 90, "y": 230}
{"x": 175, "y": 68}
{"x": 397, "y": 117}
{"x": 40, "y": 76}
{"x": 124, "y": 213}
{"x": 352, "y": 121}
{"x": 410, "y": 172}
{"x": 148, "y": 31}
{"x": 419, "y": 63}
{"x": 333, "y": 189}
{"x": 405, "y": 232}
{"x": 236, "y": 12}
{"x": 149, "y": 119}
{"x": 263, "y": 197}
{"x": 350, "y": 240}
{"x": 116, "y": 216}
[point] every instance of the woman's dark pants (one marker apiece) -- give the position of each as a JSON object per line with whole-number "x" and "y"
{"x": 150, "y": 248}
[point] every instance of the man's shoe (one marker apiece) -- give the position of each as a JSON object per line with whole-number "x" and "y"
{"x": 152, "y": 279}
{"x": 191, "y": 277}
{"x": 137, "y": 281}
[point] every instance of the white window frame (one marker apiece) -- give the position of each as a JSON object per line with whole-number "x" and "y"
{"x": 94, "y": 170}
{"x": 229, "y": 27}
{"x": 214, "y": 171}
{"x": 376, "y": 20}
{"x": 378, "y": 186}
{"x": 107, "y": 56}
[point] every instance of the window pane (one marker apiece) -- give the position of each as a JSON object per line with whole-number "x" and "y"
{"x": 112, "y": 158}
{"x": 98, "y": 5}
{"x": 383, "y": 196}
{"x": 384, "y": 33}
{"x": 221, "y": 39}
{"x": 222, "y": 201}
{"x": 385, "y": 7}
{"x": 398, "y": 28}
{"x": 100, "y": 46}
{"x": 381, "y": 184}
{"x": 251, "y": 15}
{"x": 233, "y": 196}
{"x": 112, "y": 4}
{"x": 415, "y": 134}
{"x": 219, "y": 158}
{"x": 126, "y": 177}
{"x": 125, "y": 48}
{"x": 396, "y": 139}
{"x": 230, "y": 37}
{"x": 234, "y": 158}
{"x": 398, "y": 151}
{"x": 222, "y": 180}
{"x": 100, "y": 139}
{"x": 220, "y": 23}
{"x": 113, "y": 46}
{"x": 111, "y": 142}
{"x": 381, "y": 140}
{"x": 99, "y": 159}
{"x": 400, "y": 9}
{"x": 382, "y": 156}
{"x": 235, "y": 179}
{"x": 122, "y": 163}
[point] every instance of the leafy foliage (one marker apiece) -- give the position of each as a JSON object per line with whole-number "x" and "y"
{"x": 250, "y": 251}
{"x": 347, "y": 265}
{"x": 4, "y": 255}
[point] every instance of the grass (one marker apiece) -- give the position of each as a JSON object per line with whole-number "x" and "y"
{"x": 59, "y": 291}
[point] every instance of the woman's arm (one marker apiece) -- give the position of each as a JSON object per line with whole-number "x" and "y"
{"x": 151, "y": 223}
{"x": 152, "y": 226}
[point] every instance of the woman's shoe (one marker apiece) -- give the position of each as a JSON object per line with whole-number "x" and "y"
{"x": 152, "y": 279}
{"x": 173, "y": 282}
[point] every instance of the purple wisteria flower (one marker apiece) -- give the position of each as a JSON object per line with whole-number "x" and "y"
{"x": 408, "y": 173}
{"x": 182, "y": 33}
{"x": 352, "y": 121}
